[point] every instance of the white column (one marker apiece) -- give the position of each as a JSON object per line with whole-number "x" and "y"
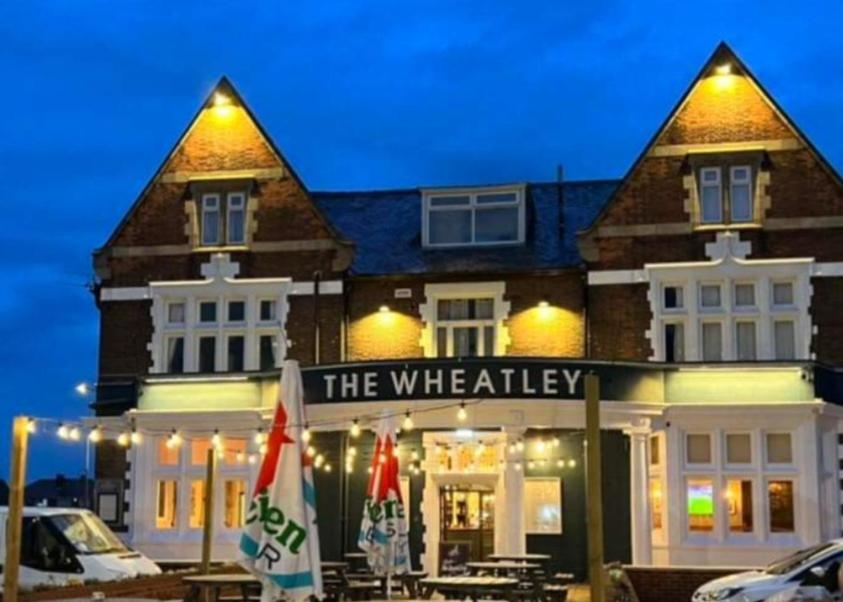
{"x": 509, "y": 500}
{"x": 430, "y": 507}
{"x": 642, "y": 541}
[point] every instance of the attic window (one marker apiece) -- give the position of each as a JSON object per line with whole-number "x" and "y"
{"x": 726, "y": 194}
{"x": 483, "y": 217}
{"x": 223, "y": 218}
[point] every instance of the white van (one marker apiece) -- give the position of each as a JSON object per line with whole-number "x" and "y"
{"x": 71, "y": 545}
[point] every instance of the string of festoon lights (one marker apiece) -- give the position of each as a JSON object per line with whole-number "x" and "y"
{"x": 516, "y": 453}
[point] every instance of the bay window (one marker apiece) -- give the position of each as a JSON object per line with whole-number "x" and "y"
{"x": 473, "y": 217}
{"x": 780, "y": 506}
{"x": 166, "y": 504}
{"x": 739, "y": 501}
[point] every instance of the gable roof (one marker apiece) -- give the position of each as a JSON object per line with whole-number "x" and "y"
{"x": 224, "y": 87}
{"x": 723, "y": 54}
{"x": 385, "y": 226}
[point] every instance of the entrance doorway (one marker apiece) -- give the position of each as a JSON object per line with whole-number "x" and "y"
{"x": 467, "y": 516}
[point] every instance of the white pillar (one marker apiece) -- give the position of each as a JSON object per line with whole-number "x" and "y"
{"x": 430, "y": 507}
{"x": 642, "y": 541}
{"x": 509, "y": 500}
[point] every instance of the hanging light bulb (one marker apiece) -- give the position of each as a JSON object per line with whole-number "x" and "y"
{"x": 216, "y": 440}
{"x": 556, "y": 442}
{"x": 135, "y": 437}
{"x": 311, "y": 451}
{"x": 123, "y": 439}
{"x": 512, "y": 449}
{"x": 263, "y": 449}
{"x": 259, "y": 436}
{"x": 31, "y": 426}
{"x": 531, "y": 465}
{"x": 518, "y": 466}
{"x": 305, "y": 434}
{"x": 461, "y": 413}
{"x": 174, "y": 440}
{"x": 252, "y": 459}
{"x": 414, "y": 456}
{"x": 540, "y": 446}
{"x": 95, "y": 436}
{"x": 75, "y": 434}
{"x": 407, "y": 425}
{"x": 572, "y": 463}
{"x": 63, "y": 432}
{"x": 349, "y": 467}
{"x": 241, "y": 457}
{"x": 328, "y": 468}
{"x": 317, "y": 462}
{"x": 382, "y": 458}
{"x": 560, "y": 463}
{"x": 355, "y": 428}
{"x": 520, "y": 445}
{"x": 370, "y": 470}
{"x": 352, "y": 451}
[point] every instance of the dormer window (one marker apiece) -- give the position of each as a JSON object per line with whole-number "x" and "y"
{"x": 223, "y": 219}
{"x": 486, "y": 217}
{"x": 725, "y": 194}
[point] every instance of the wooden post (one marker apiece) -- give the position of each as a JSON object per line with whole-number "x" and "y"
{"x": 208, "y": 525}
{"x": 14, "y": 520}
{"x": 594, "y": 493}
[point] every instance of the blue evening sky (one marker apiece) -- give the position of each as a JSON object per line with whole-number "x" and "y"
{"x": 363, "y": 94}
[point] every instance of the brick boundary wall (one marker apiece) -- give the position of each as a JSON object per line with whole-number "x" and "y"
{"x": 672, "y": 584}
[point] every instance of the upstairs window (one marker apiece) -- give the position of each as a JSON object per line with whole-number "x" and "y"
{"x": 481, "y": 218}
{"x": 223, "y": 219}
{"x": 726, "y": 194}
{"x": 465, "y": 328}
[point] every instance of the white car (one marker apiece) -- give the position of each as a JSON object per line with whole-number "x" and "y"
{"x": 812, "y": 566}
{"x": 61, "y": 546}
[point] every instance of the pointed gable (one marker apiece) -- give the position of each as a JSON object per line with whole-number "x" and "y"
{"x": 725, "y": 116}
{"x": 223, "y": 142}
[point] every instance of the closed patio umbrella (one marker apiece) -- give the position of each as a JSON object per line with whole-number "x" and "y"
{"x": 280, "y": 542}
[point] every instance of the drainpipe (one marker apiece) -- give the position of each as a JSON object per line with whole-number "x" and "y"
{"x": 317, "y": 277}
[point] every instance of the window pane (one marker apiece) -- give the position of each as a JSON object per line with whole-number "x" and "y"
{"x": 745, "y": 338}
{"x": 488, "y": 341}
{"x": 738, "y": 449}
{"x": 175, "y": 355}
{"x": 236, "y": 311}
{"x": 741, "y": 202}
{"x": 207, "y": 354}
{"x": 208, "y": 311}
{"x": 710, "y": 295}
{"x": 698, "y": 449}
{"x": 441, "y": 342}
{"x": 166, "y": 504}
{"x": 449, "y": 227}
{"x": 498, "y": 197}
{"x": 700, "y": 505}
{"x": 448, "y": 201}
{"x": 712, "y": 342}
{"x": 674, "y": 343}
{"x": 466, "y": 341}
{"x": 782, "y": 293}
{"x": 496, "y": 225}
{"x": 167, "y": 455}
{"x": 236, "y": 218}
{"x": 654, "y": 451}
{"x": 739, "y": 500}
{"x": 710, "y": 201}
{"x": 656, "y": 503}
{"x": 210, "y": 221}
{"x": 542, "y": 505}
{"x": 197, "y": 504}
{"x": 234, "y": 512}
{"x": 744, "y": 295}
{"x": 235, "y": 354}
{"x": 267, "y": 352}
{"x": 780, "y": 496}
{"x": 710, "y": 175}
{"x": 483, "y": 309}
{"x": 785, "y": 340}
{"x": 267, "y": 310}
{"x": 673, "y": 297}
{"x": 199, "y": 451}
{"x": 175, "y": 313}
{"x": 779, "y": 449}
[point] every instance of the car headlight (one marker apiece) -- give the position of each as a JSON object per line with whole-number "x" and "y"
{"x": 720, "y": 594}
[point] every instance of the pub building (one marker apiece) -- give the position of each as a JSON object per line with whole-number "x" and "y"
{"x": 703, "y": 289}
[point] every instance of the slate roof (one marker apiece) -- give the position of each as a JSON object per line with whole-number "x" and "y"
{"x": 385, "y": 226}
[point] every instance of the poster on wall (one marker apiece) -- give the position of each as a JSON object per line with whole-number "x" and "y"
{"x": 543, "y": 505}
{"x": 453, "y": 558}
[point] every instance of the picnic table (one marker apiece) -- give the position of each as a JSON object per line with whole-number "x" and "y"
{"x": 540, "y": 558}
{"x": 472, "y": 587}
{"x": 502, "y": 567}
{"x": 214, "y": 584}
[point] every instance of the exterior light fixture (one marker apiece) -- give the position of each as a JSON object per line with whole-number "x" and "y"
{"x": 355, "y": 428}
{"x": 135, "y": 437}
{"x": 311, "y": 451}
{"x": 95, "y": 436}
{"x": 407, "y": 425}
{"x": 63, "y": 432}
{"x": 75, "y": 434}
{"x": 572, "y": 463}
{"x": 82, "y": 389}
{"x": 543, "y": 304}
{"x": 221, "y": 100}
{"x": 352, "y": 451}
{"x": 560, "y": 463}
{"x": 383, "y": 309}
{"x": 327, "y": 468}
{"x": 31, "y": 426}
{"x": 123, "y": 440}
{"x": 318, "y": 460}
{"x": 461, "y": 413}
{"x": 724, "y": 69}
{"x": 216, "y": 440}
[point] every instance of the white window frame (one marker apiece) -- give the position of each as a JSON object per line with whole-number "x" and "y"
{"x": 739, "y": 467}
{"x": 171, "y": 303}
{"x": 207, "y": 209}
{"x": 794, "y": 322}
{"x": 478, "y": 324}
{"x": 718, "y": 184}
{"x": 675, "y": 322}
{"x": 473, "y": 207}
{"x": 744, "y": 308}
{"x": 793, "y": 295}
{"x": 681, "y": 309}
{"x": 202, "y": 324}
{"x": 741, "y": 319}
{"x": 778, "y": 467}
{"x": 733, "y": 182}
{"x": 261, "y": 301}
{"x": 712, "y": 449}
{"x": 167, "y": 339}
{"x": 228, "y": 303}
{"x": 710, "y": 308}
{"x": 723, "y": 334}
{"x": 228, "y": 336}
{"x": 198, "y": 346}
{"x": 235, "y": 201}
{"x": 768, "y": 516}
